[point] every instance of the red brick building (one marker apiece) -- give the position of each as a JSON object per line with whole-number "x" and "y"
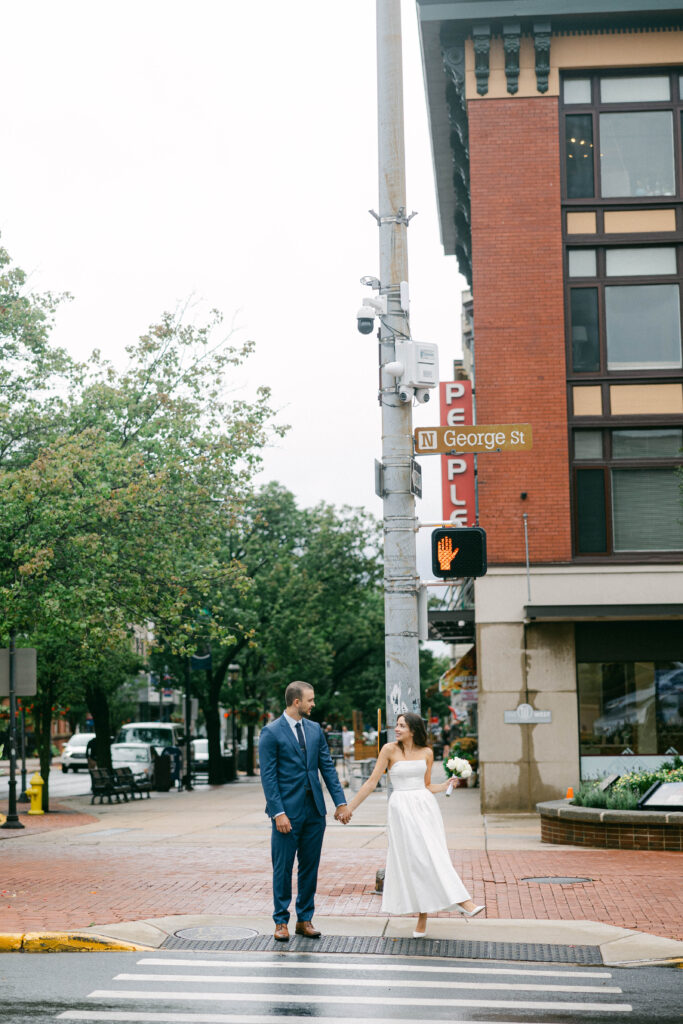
{"x": 558, "y": 154}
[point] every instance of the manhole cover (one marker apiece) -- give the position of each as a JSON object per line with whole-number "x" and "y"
{"x": 216, "y": 933}
{"x": 557, "y": 880}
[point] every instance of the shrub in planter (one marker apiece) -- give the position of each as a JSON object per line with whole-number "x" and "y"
{"x": 627, "y": 791}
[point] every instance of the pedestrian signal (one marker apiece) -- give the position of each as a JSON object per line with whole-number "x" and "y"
{"x": 459, "y": 552}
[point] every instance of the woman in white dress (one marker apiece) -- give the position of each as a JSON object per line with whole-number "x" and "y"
{"x": 420, "y": 878}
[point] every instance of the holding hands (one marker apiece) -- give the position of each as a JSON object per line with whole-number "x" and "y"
{"x": 343, "y": 814}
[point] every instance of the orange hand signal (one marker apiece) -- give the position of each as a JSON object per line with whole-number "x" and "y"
{"x": 446, "y": 552}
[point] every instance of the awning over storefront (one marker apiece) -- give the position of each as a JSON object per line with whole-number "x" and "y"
{"x": 455, "y": 626}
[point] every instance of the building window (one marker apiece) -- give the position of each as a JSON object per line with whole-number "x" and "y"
{"x": 629, "y": 319}
{"x": 637, "y": 154}
{"x": 579, "y": 150}
{"x": 643, "y": 327}
{"x": 630, "y": 705}
{"x": 622, "y": 147}
{"x": 627, "y": 490}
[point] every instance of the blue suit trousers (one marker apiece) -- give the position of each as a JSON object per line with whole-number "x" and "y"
{"x": 305, "y": 843}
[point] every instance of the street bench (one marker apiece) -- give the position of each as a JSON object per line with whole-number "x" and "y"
{"x": 106, "y": 783}
{"x": 118, "y": 783}
{"x": 136, "y": 787}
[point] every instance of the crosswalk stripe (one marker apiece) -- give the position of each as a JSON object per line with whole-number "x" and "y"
{"x": 358, "y": 968}
{"x": 152, "y": 1017}
{"x": 254, "y": 997}
{"x": 490, "y": 986}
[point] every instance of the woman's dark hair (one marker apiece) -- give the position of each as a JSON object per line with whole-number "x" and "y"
{"x": 417, "y": 728}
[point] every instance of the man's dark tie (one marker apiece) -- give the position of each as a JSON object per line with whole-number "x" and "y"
{"x": 299, "y": 729}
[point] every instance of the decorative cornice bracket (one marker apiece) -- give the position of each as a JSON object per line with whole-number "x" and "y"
{"x": 511, "y": 40}
{"x": 454, "y": 64}
{"x": 481, "y": 37}
{"x": 542, "y": 33}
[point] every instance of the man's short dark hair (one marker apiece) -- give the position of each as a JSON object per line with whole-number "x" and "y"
{"x": 295, "y": 691}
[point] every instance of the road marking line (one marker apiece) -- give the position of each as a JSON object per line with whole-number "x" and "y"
{"x": 356, "y": 968}
{"x": 259, "y": 997}
{"x": 245, "y": 979}
{"x": 237, "y": 1018}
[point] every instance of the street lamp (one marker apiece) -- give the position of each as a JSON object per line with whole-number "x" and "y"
{"x": 233, "y": 676}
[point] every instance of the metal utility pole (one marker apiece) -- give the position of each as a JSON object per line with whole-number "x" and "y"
{"x": 401, "y": 582}
{"x": 188, "y": 726}
{"x": 12, "y": 820}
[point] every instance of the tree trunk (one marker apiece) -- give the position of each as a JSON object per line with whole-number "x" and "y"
{"x": 250, "y": 749}
{"x": 213, "y": 733}
{"x": 98, "y": 705}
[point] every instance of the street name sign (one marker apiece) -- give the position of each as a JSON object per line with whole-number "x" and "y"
{"x": 505, "y": 437}
{"x": 25, "y": 679}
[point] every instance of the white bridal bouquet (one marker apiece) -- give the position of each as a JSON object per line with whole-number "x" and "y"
{"x": 456, "y": 768}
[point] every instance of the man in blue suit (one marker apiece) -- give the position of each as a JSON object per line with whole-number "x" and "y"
{"x": 292, "y": 751}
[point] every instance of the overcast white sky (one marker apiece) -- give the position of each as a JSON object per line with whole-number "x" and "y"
{"x": 156, "y": 150}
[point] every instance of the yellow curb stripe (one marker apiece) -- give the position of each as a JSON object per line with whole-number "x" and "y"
{"x": 66, "y": 942}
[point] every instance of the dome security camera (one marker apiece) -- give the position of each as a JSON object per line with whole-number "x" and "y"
{"x": 366, "y": 319}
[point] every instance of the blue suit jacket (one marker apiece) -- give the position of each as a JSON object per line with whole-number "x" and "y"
{"x": 286, "y": 774}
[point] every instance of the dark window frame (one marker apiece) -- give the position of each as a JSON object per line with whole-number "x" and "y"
{"x": 600, "y": 282}
{"x": 597, "y": 107}
{"x": 607, "y": 463}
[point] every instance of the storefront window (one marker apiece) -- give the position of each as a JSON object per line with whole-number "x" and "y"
{"x": 634, "y": 706}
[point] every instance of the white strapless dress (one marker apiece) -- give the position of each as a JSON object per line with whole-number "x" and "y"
{"x": 419, "y": 877}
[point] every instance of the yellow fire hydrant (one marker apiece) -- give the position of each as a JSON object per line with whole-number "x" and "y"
{"x": 35, "y": 792}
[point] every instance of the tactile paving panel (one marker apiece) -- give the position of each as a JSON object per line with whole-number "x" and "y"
{"x": 535, "y": 952}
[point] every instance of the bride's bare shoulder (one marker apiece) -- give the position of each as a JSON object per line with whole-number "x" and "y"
{"x": 391, "y": 751}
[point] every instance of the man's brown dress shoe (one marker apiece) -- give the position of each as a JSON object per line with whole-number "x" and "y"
{"x": 306, "y": 928}
{"x": 282, "y": 932}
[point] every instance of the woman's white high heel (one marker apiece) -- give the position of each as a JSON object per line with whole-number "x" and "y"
{"x": 419, "y": 935}
{"x": 471, "y": 913}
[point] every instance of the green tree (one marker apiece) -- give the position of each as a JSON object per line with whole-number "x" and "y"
{"x": 117, "y": 489}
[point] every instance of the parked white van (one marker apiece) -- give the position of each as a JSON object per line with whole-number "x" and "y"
{"x": 159, "y": 734}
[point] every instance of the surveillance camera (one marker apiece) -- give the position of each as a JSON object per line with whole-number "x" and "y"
{"x": 366, "y": 319}
{"x": 422, "y": 394}
{"x": 405, "y": 394}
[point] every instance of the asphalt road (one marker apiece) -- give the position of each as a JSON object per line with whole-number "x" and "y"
{"x": 248, "y": 988}
{"x": 61, "y": 784}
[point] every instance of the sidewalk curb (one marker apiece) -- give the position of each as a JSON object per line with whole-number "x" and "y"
{"x": 66, "y": 942}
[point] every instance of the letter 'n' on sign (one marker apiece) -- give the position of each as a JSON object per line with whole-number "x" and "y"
{"x": 427, "y": 440}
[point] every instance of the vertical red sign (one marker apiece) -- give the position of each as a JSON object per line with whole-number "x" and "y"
{"x": 457, "y": 471}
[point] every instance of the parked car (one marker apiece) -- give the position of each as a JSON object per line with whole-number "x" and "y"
{"x": 74, "y": 754}
{"x": 139, "y": 757}
{"x": 200, "y": 755}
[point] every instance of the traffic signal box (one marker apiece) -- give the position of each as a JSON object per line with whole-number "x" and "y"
{"x": 459, "y": 552}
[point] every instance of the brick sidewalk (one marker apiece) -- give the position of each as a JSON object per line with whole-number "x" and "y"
{"x": 46, "y": 886}
{"x": 59, "y": 817}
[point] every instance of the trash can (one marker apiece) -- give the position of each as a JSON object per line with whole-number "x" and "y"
{"x": 162, "y": 772}
{"x": 242, "y": 759}
{"x": 228, "y": 765}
